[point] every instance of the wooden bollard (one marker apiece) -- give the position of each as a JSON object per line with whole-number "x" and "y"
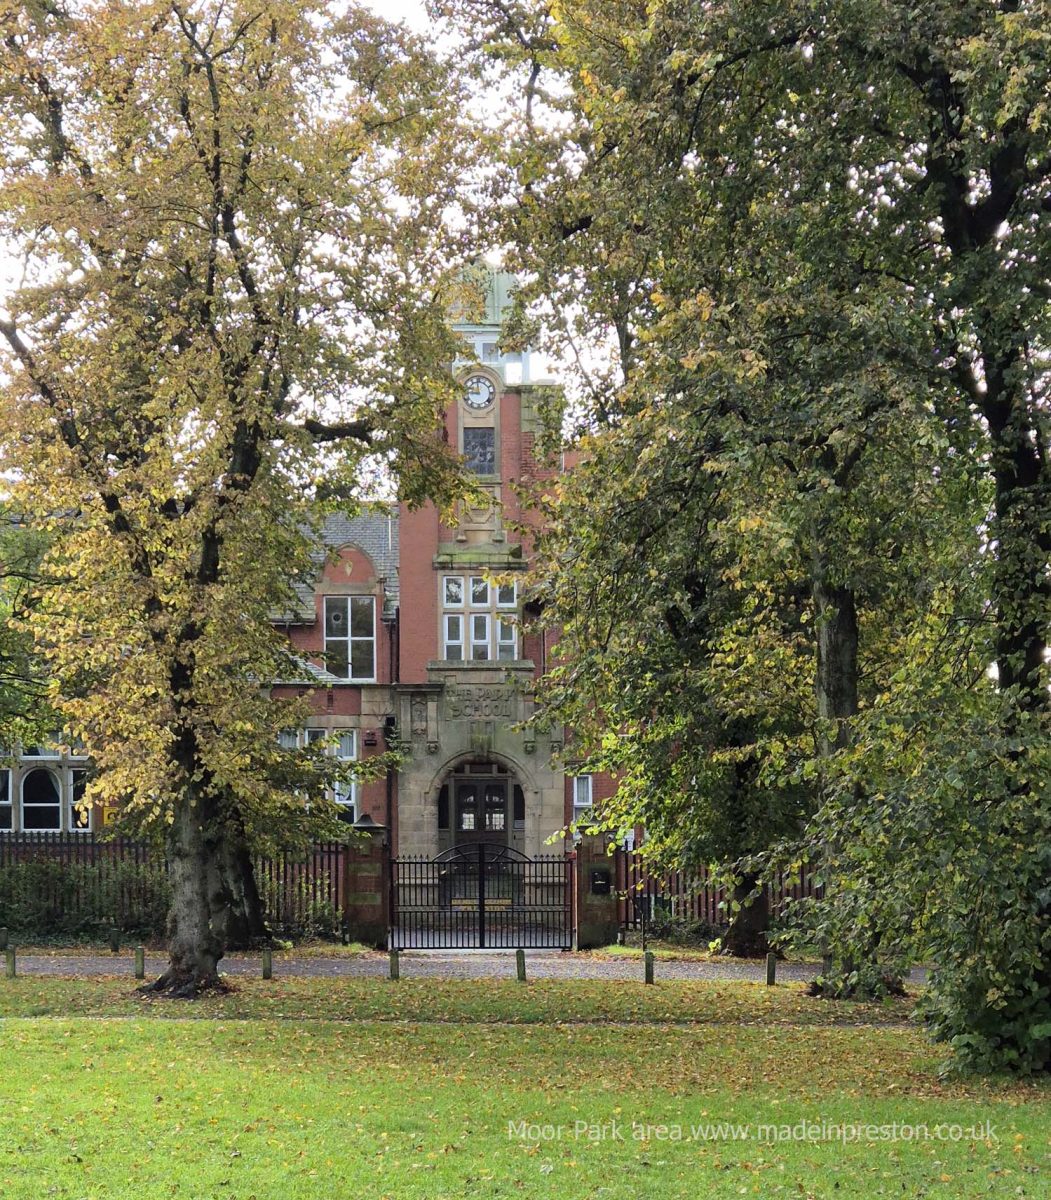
{"x": 268, "y": 963}
{"x": 395, "y": 965}
{"x": 140, "y": 962}
{"x": 647, "y": 958}
{"x": 4, "y": 938}
{"x": 520, "y": 965}
{"x": 771, "y": 970}
{"x": 11, "y": 967}
{"x": 114, "y": 940}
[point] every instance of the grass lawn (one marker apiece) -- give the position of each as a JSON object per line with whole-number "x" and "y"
{"x": 430, "y": 1089}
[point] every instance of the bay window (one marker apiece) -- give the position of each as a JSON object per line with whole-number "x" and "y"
{"x": 478, "y": 619}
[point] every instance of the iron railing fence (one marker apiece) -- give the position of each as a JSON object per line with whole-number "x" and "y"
{"x": 55, "y": 884}
{"x": 481, "y": 896}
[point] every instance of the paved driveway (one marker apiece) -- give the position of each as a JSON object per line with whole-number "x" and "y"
{"x": 417, "y": 964}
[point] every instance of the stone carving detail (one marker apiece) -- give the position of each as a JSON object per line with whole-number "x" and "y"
{"x": 419, "y": 714}
{"x": 478, "y": 702}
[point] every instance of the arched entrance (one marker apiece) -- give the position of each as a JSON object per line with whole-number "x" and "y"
{"x": 480, "y": 800}
{"x": 480, "y": 890}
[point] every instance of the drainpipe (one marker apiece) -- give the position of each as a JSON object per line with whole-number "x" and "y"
{"x": 394, "y": 664}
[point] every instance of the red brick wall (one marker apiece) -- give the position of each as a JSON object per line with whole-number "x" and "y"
{"x": 419, "y": 534}
{"x": 351, "y": 567}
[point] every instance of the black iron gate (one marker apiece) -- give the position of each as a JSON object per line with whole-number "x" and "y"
{"x": 481, "y": 895}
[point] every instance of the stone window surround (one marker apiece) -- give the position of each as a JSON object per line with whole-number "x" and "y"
{"x": 64, "y": 767}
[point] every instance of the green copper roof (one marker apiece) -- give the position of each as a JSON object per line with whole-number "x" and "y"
{"x": 495, "y": 289}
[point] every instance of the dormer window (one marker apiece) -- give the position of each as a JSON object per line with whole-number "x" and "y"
{"x": 350, "y": 637}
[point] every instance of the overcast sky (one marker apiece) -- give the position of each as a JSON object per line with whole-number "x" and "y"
{"x": 410, "y": 11}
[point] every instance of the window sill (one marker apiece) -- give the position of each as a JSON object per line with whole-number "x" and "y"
{"x": 517, "y": 665}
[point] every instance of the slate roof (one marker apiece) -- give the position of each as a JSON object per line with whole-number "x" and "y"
{"x": 376, "y": 533}
{"x": 310, "y": 675}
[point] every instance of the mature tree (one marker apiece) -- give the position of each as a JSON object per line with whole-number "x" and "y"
{"x": 715, "y": 508}
{"x": 25, "y": 716}
{"x": 233, "y": 218}
{"x": 890, "y": 164}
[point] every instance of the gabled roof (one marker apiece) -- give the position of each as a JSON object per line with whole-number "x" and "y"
{"x": 376, "y": 533}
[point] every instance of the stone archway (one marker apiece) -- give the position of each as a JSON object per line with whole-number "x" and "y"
{"x": 481, "y": 797}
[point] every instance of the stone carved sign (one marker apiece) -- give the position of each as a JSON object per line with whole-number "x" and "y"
{"x": 491, "y": 702}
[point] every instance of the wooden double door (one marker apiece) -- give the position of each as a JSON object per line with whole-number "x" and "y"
{"x": 481, "y": 810}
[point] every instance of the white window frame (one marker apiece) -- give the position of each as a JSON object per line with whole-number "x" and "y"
{"x": 350, "y": 799}
{"x": 60, "y": 803}
{"x": 446, "y": 602}
{"x": 350, "y": 638}
{"x": 70, "y": 807}
{"x": 478, "y": 597}
{"x": 448, "y": 641}
{"x": 486, "y": 642}
{"x": 582, "y": 783}
{"x": 503, "y": 642}
{"x": 484, "y": 583}
{"x": 7, "y": 805}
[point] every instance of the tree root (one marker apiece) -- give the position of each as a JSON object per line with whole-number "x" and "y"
{"x": 182, "y": 985}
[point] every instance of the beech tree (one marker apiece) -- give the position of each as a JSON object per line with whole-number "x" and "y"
{"x": 235, "y": 223}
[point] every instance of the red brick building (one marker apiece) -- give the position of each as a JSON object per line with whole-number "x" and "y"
{"x": 413, "y": 638}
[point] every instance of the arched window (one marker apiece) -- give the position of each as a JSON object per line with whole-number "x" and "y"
{"x": 41, "y": 800}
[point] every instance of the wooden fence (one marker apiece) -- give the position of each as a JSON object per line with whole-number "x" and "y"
{"x": 686, "y": 896}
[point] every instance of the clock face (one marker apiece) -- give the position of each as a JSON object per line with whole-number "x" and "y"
{"x": 479, "y": 391}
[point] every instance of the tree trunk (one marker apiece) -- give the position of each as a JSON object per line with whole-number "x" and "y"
{"x": 836, "y": 696}
{"x": 1022, "y": 599}
{"x": 244, "y": 922}
{"x": 836, "y": 667}
{"x": 199, "y": 897}
{"x": 1023, "y": 547}
{"x": 749, "y": 924}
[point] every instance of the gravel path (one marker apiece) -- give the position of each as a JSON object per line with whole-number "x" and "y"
{"x": 542, "y": 964}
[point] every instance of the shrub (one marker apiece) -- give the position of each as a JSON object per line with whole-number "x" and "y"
{"x": 47, "y": 898}
{"x": 300, "y": 905}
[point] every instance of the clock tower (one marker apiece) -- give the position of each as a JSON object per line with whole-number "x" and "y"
{"x": 475, "y": 771}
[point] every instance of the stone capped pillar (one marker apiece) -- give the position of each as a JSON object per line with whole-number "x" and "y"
{"x": 366, "y": 889}
{"x": 596, "y": 894}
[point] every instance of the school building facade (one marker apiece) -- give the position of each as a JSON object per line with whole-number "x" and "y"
{"x": 413, "y": 639}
